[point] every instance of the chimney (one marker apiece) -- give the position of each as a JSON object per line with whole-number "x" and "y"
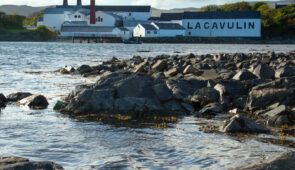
{"x": 92, "y": 13}
{"x": 79, "y": 2}
{"x": 65, "y": 3}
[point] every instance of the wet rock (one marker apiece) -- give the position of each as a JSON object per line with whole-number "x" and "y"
{"x": 3, "y": 100}
{"x": 243, "y": 124}
{"x": 282, "y": 161}
{"x": 35, "y": 102}
{"x": 14, "y": 97}
{"x": 263, "y": 71}
{"x": 244, "y": 75}
{"x": 188, "y": 107}
{"x": 162, "y": 91}
{"x": 189, "y": 69}
{"x": 285, "y": 72}
{"x": 172, "y": 72}
{"x": 160, "y": 65}
{"x": 84, "y": 69}
{"x": 205, "y": 96}
{"x": 173, "y": 106}
{"x": 60, "y": 105}
{"x": 14, "y": 163}
{"x": 67, "y": 70}
{"x": 211, "y": 109}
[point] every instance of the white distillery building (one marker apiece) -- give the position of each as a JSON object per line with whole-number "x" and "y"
{"x": 159, "y": 30}
{"x": 217, "y": 24}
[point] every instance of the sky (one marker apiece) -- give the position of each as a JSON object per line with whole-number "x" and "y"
{"x": 163, "y": 4}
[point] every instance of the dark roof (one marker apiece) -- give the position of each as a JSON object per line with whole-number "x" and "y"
{"x": 222, "y": 15}
{"x": 123, "y": 29}
{"x": 57, "y": 10}
{"x": 154, "y": 19}
{"x": 75, "y": 23}
{"x": 169, "y": 26}
{"x": 116, "y": 8}
{"x": 148, "y": 27}
{"x": 171, "y": 16}
{"x": 134, "y": 23}
{"x": 86, "y": 29}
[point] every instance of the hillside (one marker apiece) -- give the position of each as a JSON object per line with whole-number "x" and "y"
{"x": 20, "y": 10}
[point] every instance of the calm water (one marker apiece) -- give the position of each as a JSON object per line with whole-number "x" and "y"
{"x": 47, "y": 135}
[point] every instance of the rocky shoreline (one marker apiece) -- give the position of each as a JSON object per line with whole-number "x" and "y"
{"x": 255, "y": 92}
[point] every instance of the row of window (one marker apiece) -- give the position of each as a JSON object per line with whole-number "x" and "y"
{"x": 99, "y": 19}
{"x": 77, "y": 16}
{"x": 149, "y": 32}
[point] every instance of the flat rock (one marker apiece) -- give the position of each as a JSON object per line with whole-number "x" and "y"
{"x": 17, "y": 163}
{"x": 282, "y": 161}
{"x": 35, "y": 102}
{"x": 209, "y": 75}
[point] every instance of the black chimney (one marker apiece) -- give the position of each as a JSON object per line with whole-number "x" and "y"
{"x": 79, "y": 2}
{"x": 65, "y": 3}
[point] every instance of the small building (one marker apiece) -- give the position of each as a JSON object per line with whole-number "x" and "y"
{"x": 55, "y": 17}
{"x": 145, "y": 30}
{"x": 169, "y": 29}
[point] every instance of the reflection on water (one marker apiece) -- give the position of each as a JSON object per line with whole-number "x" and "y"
{"x": 48, "y": 135}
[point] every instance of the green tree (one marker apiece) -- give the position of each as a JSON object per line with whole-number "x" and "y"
{"x": 44, "y": 33}
{"x": 239, "y": 6}
{"x": 256, "y": 5}
{"x": 210, "y": 8}
{"x": 33, "y": 18}
{"x": 13, "y": 21}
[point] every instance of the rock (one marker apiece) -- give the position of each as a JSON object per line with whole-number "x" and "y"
{"x": 35, "y": 102}
{"x": 263, "y": 71}
{"x": 160, "y": 65}
{"x": 60, "y": 105}
{"x": 162, "y": 91}
{"x": 209, "y": 75}
{"x": 188, "y": 107}
{"x": 285, "y": 72}
{"x": 244, "y": 75}
{"x": 140, "y": 68}
{"x": 67, "y": 70}
{"x": 211, "y": 109}
{"x": 3, "y": 100}
{"x": 14, "y": 97}
{"x": 282, "y": 161}
{"x": 277, "y": 111}
{"x": 173, "y": 106}
{"x": 205, "y": 96}
{"x": 189, "y": 70}
{"x": 84, "y": 69}
{"x": 64, "y": 71}
{"x": 243, "y": 124}
{"x": 14, "y": 163}
{"x": 279, "y": 121}
{"x": 172, "y": 72}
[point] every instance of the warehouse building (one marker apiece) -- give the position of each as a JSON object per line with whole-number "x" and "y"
{"x": 155, "y": 29}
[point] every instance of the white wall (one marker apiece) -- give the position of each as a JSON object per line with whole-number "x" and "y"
{"x": 54, "y": 21}
{"x": 139, "y": 31}
{"x": 134, "y": 15}
{"x": 222, "y": 27}
{"x": 72, "y": 17}
{"x": 107, "y": 20}
{"x": 171, "y": 33}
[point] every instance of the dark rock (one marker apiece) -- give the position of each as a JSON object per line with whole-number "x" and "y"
{"x": 279, "y": 121}
{"x": 244, "y": 75}
{"x": 172, "y": 72}
{"x": 205, "y": 96}
{"x": 3, "y": 100}
{"x": 211, "y": 109}
{"x": 67, "y": 70}
{"x": 14, "y": 97}
{"x": 160, "y": 65}
{"x": 60, "y": 105}
{"x": 162, "y": 91}
{"x": 140, "y": 68}
{"x": 189, "y": 69}
{"x": 84, "y": 69}
{"x": 35, "y": 102}
{"x": 188, "y": 107}
{"x": 282, "y": 161}
{"x": 285, "y": 72}
{"x": 173, "y": 106}
{"x": 243, "y": 124}
{"x": 263, "y": 71}
{"x": 277, "y": 111}
{"x": 17, "y": 163}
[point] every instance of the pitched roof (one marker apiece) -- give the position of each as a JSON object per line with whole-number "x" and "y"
{"x": 154, "y": 19}
{"x": 111, "y": 8}
{"x": 75, "y": 23}
{"x": 123, "y": 29}
{"x": 148, "y": 27}
{"x": 169, "y": 26}
{"x": 57, "y": 10}
{"x": 171, "y": 16}
{"x": 222, "y": 15}
{"x": 134, "y": 23}
{"x": 86, "y": 29}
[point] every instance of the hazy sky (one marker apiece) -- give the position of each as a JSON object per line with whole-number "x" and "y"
{"x": 165, "y": 4}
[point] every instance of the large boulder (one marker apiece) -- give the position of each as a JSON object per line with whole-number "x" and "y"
{"x": 124, "y": 93}
{"x": 205, "y": 96}
{"x": 279, "y": 91}
{"x": 84, "y": 69}
{"x": 263, "y": 71}
{"x": 15, "y": 163}
{"x": 14, "y": 97}
{"x": 3, "y": 100}
{"x": 244, "y": 75}
{"x": 243, "y": 124}
{"x": 35, "y": 102}
{"x": 285, "y": 72}
{"x": 282, "y": 161}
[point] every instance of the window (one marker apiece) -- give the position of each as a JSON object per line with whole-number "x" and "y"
{"x": 79, "y": 16}
{"x": 130, "y": 14}
{"x": 149, "y": 32}
{"x": 101, "y": 20}
{"x": 155, "y": 32}
{"x": 76, "y": 16}
{"x": 189, "y": 33}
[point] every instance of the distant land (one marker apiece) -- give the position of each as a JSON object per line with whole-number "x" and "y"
{"x": 27, "y": 10}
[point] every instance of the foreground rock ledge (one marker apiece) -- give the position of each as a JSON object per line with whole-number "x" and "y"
{"x": 282, "y": 161}
{"x": 17, "y": 163}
